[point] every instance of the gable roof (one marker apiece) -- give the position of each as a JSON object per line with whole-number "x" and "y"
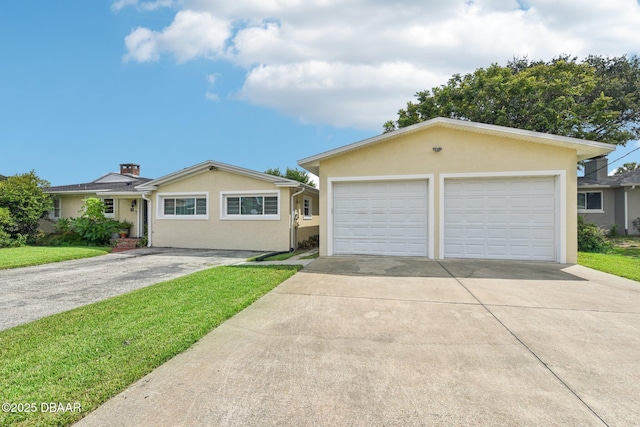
{"x": 2, "y": 177}
{"x": 114, "y": 184}
{"x": 212, "y": 165}
{"x": 585, "y": 149}
{"x": 627, "y": 179}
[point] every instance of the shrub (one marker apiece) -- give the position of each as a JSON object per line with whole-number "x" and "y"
{"x": 95, "y": 231}
{"x": 310, "y": 243}
{"x": 591, "y": 238}
{"x": 22, "y": 196}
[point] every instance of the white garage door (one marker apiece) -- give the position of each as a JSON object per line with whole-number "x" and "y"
{"x": 380, "y": 218}
{"x": 500, "y": 218}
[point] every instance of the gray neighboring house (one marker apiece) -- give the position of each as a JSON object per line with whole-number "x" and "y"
{"x": 2, "y": 177}
{"x": 609, "y": 200}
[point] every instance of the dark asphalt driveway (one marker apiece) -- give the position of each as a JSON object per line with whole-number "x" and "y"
{"x": 27, "y": 294}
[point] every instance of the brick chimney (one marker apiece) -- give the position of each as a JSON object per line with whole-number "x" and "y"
{"x": 129, "y": 169}
{"x": 596, "y": 169}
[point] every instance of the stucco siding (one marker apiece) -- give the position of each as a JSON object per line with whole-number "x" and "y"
{"x": 215, "y": 231}
{"x": 71, "y": 206}
{"x": 462, "y": 152}
{"x": 307, "y": 226}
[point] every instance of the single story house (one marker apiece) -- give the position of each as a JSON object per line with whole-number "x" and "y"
{"x": 448, "y": 188}
{"x": 210, "y": 205}
{"x": 117, "y": 190}
{"x": 216, "y": 205}
{"x": 609, "y": 201}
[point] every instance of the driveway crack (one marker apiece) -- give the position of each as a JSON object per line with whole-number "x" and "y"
{"x": 533, "y": 353}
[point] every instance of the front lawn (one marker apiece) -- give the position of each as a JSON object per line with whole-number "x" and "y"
{"x": 622, "y": 260}
{"x": 35, "y": 255}
{"x": 85, "y": 356}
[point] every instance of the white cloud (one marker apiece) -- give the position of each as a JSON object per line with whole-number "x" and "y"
{"x": 191, "y": 35}
{"x": 356, "y": 62}
{"x": 143, "y": 5}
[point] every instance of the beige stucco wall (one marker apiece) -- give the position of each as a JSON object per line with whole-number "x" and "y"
{"x": 124, "y": 212}
{"x": 462, "y": 152}
{"x": 214, "y": 232}
{"x": 71, "y": 207}
{"x": 307, "y": 227}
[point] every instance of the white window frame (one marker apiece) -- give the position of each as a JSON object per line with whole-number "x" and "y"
{"x": 161, "y": 197}
{"x": 52, "y": 212}
{"x": 225, "y": 195}
{"x": 586, "y": 208}
{"x": 109, "y": 214}
{"x": 307, "y": 210}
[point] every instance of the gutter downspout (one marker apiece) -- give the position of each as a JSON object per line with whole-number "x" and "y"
{"x": 626, "y": 213}
{"x": 292, "y": 228}
{"x": 149, "y": 212}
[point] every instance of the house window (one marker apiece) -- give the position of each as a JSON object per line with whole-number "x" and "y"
{"x": 57, "y": 209}
{"x": 109, "y": 208}
{"x": 306, "y": 209}
{"x": 251, "y": 206}
{"x": 183, "y": 207}
{"x": 590, "y": 201}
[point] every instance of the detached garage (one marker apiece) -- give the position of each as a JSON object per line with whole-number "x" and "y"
{"x": 448, "y": 188}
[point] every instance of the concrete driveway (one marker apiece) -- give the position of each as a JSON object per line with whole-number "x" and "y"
{"x": 364, "y": 341}
{"x": 28, "y": 294}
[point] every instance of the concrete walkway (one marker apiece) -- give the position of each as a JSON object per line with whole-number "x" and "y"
{"x": 364, "y": 341}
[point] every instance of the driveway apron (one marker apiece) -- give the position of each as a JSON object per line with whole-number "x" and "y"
{"x": 366, "y": 341}
{"x": 28, "y": 294}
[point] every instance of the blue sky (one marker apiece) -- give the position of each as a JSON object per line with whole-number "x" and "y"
{"x": 86, "y": 85}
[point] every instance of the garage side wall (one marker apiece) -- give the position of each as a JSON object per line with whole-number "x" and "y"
{"x": 215, "y": 232}
{"x": 461, "y": 152}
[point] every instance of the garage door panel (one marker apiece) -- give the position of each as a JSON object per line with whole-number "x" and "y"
{"x": 500, "y": 218}
{"x": 395, "y": 222}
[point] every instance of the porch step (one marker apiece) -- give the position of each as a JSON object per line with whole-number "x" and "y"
{"x": 126, "y": 244}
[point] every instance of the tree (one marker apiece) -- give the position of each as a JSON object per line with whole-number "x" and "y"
{"x": 24, "y": 203}
{"x": 596, "y": 99}
{"x": 627, "y": 167}
{"x": 294, "y": 174}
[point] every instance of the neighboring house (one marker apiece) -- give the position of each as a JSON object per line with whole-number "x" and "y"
{"x": 117, "y": 190}
{"x": 609, "y": 200}
{"x": 447, "y": 188}
{"x": 2, "y": 177}
{"x": 215, "y": 205}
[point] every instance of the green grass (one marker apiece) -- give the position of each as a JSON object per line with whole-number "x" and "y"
{"x": 622, "y": 260}
{"x": 282, "y": 257}
{"x": 312, "y": 256}
{"x": 35, "y": 255}
{"x": 90, "y": 354}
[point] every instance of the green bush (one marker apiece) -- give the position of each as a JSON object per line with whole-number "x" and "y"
{"x": 310, "y": 243}
{"x": 591, "y": 238}
{"x": 23, "y": 204}
{"x": 91, "y": 229}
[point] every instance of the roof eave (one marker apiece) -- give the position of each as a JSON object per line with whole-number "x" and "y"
{"x": 211, "y": 165}
{"x": 585, "y": 149}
